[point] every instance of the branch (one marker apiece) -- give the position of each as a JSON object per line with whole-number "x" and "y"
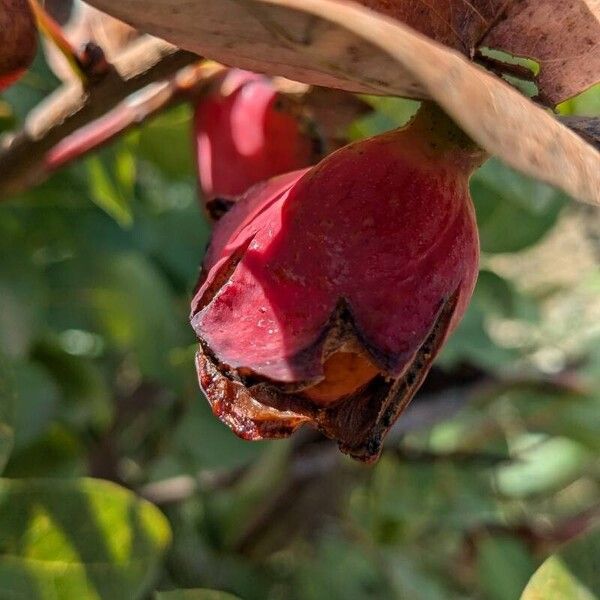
{"x": 185, "y": 86}
{"x": 22, "y": 154}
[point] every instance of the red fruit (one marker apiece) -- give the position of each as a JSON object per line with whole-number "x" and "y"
{"x": 18, "y": 40}
{"x": 326, "y": 295}
{"x": 246, "y": 133}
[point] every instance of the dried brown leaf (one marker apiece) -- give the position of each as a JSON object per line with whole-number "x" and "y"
{"x": 460, "y": 24}
{"x": 17, "y": 38}
{"x": 564, "y": 37}
{"x": 348, "y": 46}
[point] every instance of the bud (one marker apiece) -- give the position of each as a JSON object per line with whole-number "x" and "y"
{"x": 247, "y": 132}
{"x": 327, "y": 293}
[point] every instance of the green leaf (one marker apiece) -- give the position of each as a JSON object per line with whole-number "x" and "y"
{"x": 471, "y": 342}
{"x": 7, "y": 406}
{"x": 513, "y": 211}
{"x": 504, "y": 565}
{"x": 571, "y": 574}
{"x": 390, "y": 113}
{"x": 166, "y": 142}
{"x": 84, "y": 539}
{"x": 197, "y": 594}
{"x": 37, "y": 398}
{"x": 58, "y": 453}
{"x": 544, "y": 465}
{"x": 136, "y": 309}
{"x": 111, "y": 179}
{"x": 22, "y": 295}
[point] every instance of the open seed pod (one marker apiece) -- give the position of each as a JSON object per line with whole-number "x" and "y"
{"x": 326, "y": 293}
{"x": 246, "y": 132}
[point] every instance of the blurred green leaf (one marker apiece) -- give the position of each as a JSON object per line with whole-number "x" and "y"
{"x": 571, "y": 574}
{"x": 513, "y": 211}
{"x": 389, "y": 113}
{"x": 84, "y": 539}
{"x": 557, "y": 412}
{"x": 341, "y": 570}
{"x": 136, "y": 309}
{"x": 494, "y": 296}
{"x": 409, "y": 497}
{"x": 587, "y": 103}
{"x": 410, "y": 580}
{"x": 7, "y": 118}
{"x": 7, "y": 408}
{"x": 36, "y": 402}
{"x": 111, "y": 178}
{"x": 20, "y": 282}
{"x": 504, "y": 567}
{"x": 86, "y": 400}
{"x": 167, "y": 142}
{"x": 196, "y": 594}
{"x": 204, "y": 442}
{"x": 544, "y": 464}
{"x": 56, "y": 453}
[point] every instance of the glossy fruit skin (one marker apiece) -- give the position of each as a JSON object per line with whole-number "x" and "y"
{"x": 345, "y": 278}
{"x": 247, "y": 132}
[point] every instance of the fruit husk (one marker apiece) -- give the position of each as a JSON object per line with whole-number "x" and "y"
{"x": 359, "y": 422}
{"x": 326, "y": 295}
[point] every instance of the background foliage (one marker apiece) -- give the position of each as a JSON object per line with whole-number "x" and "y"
{"x": 495, "y": 464}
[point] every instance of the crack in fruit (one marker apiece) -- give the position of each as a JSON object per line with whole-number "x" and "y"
{"x": 327, "y": 293}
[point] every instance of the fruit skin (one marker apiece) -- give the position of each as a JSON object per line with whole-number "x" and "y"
{"x": 247, "y": 132}
{"x": 18, "y": 40}
{"x": 326, "y": 295}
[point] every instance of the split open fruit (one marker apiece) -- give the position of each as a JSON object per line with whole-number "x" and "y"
{"x": 326, "y": 293}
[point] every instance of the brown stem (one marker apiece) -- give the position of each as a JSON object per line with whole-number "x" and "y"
{"x": 186, "y": 85}
{"x": 540, "y": 538}
{"x": 500, "y": 67}
{"x": 22, "y": 154}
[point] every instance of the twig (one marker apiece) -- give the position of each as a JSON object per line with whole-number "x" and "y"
{"x": 22, "y": 155}
{"x": 500, "y": 67}
{"x": 182, "y": 487}
{"x": 539, "y": 537}
{"x": 132, "y": 112}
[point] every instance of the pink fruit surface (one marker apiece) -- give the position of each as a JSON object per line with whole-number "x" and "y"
{"x": 247, "y": 132}
{"x": 327, "y": 294}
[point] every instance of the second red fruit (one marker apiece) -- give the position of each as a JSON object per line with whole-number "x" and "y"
{"x": 246, "y": 132}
